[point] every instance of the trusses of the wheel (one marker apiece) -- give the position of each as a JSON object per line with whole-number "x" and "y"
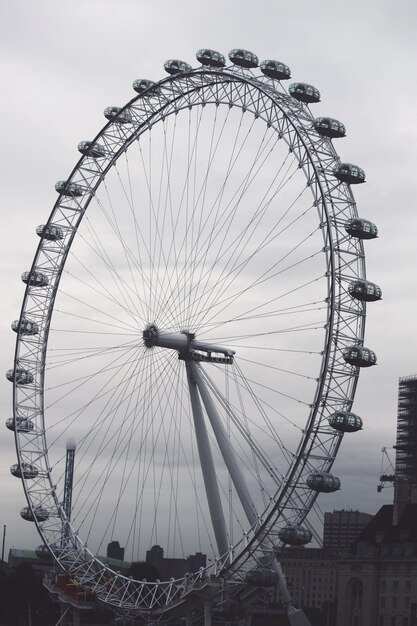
{"x": 293, "y": 122}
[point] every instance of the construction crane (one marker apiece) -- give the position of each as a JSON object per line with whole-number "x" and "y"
{"x": 387, "y": 473}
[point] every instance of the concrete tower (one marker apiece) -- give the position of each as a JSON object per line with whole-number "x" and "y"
{"x": 69, "y": 477}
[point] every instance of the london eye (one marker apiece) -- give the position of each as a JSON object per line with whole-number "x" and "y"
{"x": 194, "y": 319}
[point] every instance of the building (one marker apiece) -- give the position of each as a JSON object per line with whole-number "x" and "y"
{"x": 378, "y": 580}
{"x": 114, "y": 551}
{"x": 405, "y": 479}
{"x": 41, "y": 563}
{"x": 341, "y": 528}
{"x": 174, "y": 568}
{"x": 311, "y": 575}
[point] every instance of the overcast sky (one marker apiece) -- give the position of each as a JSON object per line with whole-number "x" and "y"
{"x": 63, "y": 62}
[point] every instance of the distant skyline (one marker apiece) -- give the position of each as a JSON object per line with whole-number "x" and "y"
{"x": 63, "y": 63}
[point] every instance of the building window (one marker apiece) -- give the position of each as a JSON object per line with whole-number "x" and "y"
{"x": 395, "y": 585}
{"x": 395, "y": 603}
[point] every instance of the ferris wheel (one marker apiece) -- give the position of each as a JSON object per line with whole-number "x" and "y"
{"x": 194, "y": 319}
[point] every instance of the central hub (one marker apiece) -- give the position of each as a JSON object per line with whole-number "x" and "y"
{"x": 152, "y": 336}
{"x": 187, "y": 346}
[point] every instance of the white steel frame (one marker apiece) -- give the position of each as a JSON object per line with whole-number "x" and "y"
{"x": 293, "y": 121}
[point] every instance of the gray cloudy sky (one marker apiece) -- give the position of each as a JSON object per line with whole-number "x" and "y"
{"x": 63, "y": 62}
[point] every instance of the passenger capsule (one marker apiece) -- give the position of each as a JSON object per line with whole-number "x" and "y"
{"x": 20, "y": 424}
{"x": 39, "y": 513}
{"x": 26, "y": 469}
{"x": 261, "y": 577}
{"x": 243, "y": 58}
{"x": 295, "y": 535}
{"x": 212, "y": 58}
{"x": 35, "y": 279}
{"x": 117, "y": 115}
{"x": 323, "y": 482}
{"x": 72, "y": 190}
{"x": 359, "y": 356}
{"x": 43, "y": 553}
{"x": 329, "y": 127}
{"x": 361, "y": 228}
{"x": 91, "y": 149}
{"x": 304, "y": 93}
{"x": 349, "y": 173}
{"x": 143, "y": 84}
{"x": 51, "y": 232}
{"x": 20, "y": 376}
{"x": 25, "y": 327}
{"x": 175, "y": 66}
{"x": 275, "y": 69}
{"x": 345, "y": 422}
{"x": 365, "y": 291}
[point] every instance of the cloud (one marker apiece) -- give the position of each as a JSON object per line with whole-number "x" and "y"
{"x": 62, "y": 65}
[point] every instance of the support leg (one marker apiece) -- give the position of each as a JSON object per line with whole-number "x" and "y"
{"x": 207, "y": 613}
{"x": 295, "y": 616}
{"x": 207, "y": 466}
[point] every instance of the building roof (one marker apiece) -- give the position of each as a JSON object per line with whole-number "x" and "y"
{"x": 19, "y": 553}
{"x": 382, "y": 530}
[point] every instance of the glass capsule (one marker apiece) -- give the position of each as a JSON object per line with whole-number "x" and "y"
{"x": 175, "y": 66}
{"x": 51, "y": 232}
{"x": 117, "y": 115}
{"x": 345, "y": 422}
{"x": 295, "y": 535}
{"x": 25, "y": 327}
{"x": 26, "y": 470}
{"x": 359, "y": 356}
{"x": 91, "y": 149}
{"x": 323, "y": 482}
{"x": 275, "y": 69}
{"x": 365, "y": 291}
{"x": 212, "y": 58}
{"x": 35, "y": 279}
{"x": 39, "y": 513}
{"x": 143, "y": 84}
{"x": 243, "y": 58}
{"x": 361, "y": 228}
{"x": 304, "y": 92}
{"x": 349, "y": 173}
{"x": 20, "y": 376}
{"x": 43, "y": 553}
{"x": 21, "y": 424}
{"x": 261, "y": 577}
{"x": 66, "y": 188}
{"x": 329, "y": 127}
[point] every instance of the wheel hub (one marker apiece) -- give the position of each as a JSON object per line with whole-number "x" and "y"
{"x": 187, "y": 346}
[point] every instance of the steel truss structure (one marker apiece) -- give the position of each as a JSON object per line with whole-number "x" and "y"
{"x": 267, "y": 102}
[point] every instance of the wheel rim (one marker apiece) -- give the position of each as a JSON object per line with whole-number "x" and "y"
{"x": 185, "y": 100}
